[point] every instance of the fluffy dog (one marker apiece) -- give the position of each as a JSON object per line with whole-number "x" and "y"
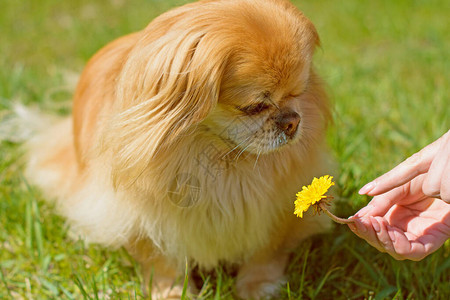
{"x": 189, "y": 139}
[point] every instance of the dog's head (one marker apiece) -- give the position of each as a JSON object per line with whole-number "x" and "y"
{"x": 241, "y": 70}
{"x": 269, "y": 95}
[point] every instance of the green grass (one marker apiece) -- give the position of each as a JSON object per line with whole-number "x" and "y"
{"x": 387, "y": 67}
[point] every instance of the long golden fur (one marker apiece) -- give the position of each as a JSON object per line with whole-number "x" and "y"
{"x": 189, "y": 139}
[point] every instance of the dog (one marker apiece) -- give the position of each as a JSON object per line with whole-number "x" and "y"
{"x": 188, "y": 141}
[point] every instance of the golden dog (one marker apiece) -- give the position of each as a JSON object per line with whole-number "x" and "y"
{"x": 189, "y": 139}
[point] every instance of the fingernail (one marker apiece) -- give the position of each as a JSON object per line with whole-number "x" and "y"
{"x": 391, "y": 233}
{"x": 360, "y": 226}
{"x": 363, "y": 211}
{"x": 375, "y": 224}
{"x": 367, "y": 188}
{"x": 352, "y": 227}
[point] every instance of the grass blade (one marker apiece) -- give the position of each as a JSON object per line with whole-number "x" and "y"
{"x": 218, "y": 286}
{"x": 376, "y": 275}
{"x": 322, "y": 282}
{"x": 79, "y": 283}
{"x": 50, "y": 286}
{"x": 384, "y": 293}
{"x": 302, "y": 278}
{"x": 28, "y": 226}
{"x": 185, "y": 284}
{"x": 66, "y": 292}
{"x": 5, "y": 283}
{"x": 94, "y": 286}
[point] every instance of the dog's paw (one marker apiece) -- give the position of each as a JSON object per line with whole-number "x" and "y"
{"x": 258, "y": 288}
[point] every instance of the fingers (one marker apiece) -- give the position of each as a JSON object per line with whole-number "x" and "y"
{"x": 394, "y": 241}
{"x": 445, "y": 183}
{"x": 375, "y": 232}
{"x": 437, "y": 183}
{"x": 412, "y": 248}
{"x": 364, "y": 229}
{"x": 381, "y": 204}
{"x": 385, "y": 238}
{"x": 418, "y": 163}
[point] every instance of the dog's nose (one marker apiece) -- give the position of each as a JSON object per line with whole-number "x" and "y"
{"x": 288, "y": 122}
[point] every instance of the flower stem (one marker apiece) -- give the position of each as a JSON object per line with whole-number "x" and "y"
{"x": 323, "y": 207}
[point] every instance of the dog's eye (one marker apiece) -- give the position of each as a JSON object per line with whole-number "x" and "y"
{"x": 255, "y": 108}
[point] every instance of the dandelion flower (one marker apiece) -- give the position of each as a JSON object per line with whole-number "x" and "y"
{"x": 314, "y": 194}
{"x": 311, "y": 194}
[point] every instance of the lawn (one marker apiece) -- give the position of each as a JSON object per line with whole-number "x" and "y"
{"x": 387, "y": 67}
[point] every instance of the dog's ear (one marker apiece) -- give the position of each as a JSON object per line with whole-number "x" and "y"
{"x": 167, "y": 85}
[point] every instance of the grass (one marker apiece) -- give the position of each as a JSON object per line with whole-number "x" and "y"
{"x": 387, "y": 67}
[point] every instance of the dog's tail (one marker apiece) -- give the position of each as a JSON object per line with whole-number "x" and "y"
{"x": 21, "y": 123}
{"x": 47, "y": 141}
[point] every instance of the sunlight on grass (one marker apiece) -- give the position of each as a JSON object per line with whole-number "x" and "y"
{"x": 386, "y": 64}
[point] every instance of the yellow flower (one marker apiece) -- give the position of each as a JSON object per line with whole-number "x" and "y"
{"x": 312, "y": 194}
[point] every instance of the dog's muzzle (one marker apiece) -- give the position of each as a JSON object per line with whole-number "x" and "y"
{"x": 287, "y": 121}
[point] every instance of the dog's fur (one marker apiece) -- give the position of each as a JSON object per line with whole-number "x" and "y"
{"x": 197, "y": 96}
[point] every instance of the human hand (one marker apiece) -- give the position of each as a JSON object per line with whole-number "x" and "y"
{"x": 404, "y": 222}
{"x": 404, "y": 218}
{"x": 433, "y": 161}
